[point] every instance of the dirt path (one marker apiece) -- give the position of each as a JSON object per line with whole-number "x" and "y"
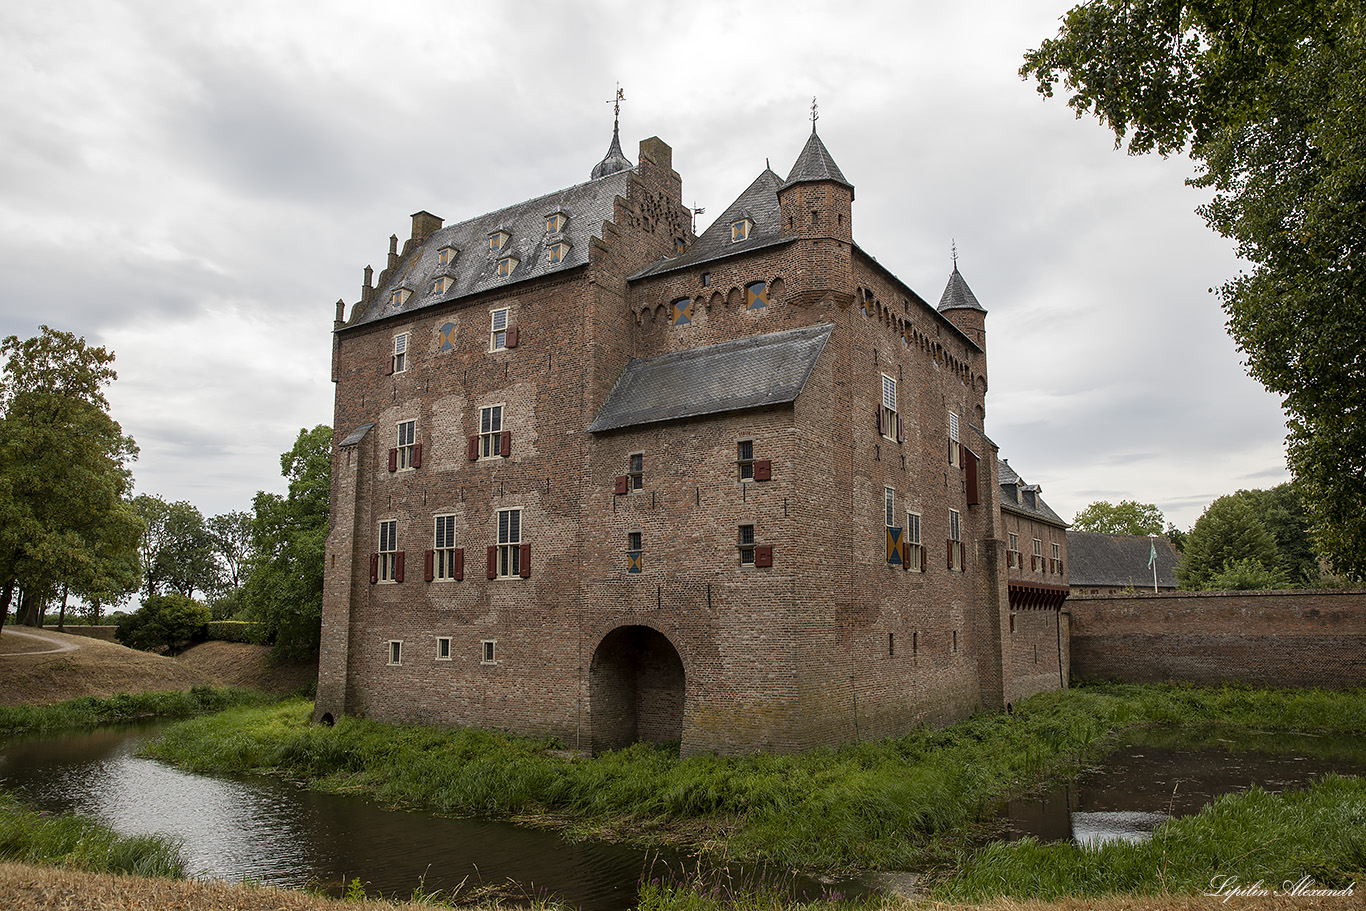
{"x": 11, "y": 650}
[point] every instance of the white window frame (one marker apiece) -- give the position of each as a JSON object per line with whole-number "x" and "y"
{"x": 889, "y": 407}
{"x": 490, "y": 432}
{"x": 443, "y": 648}
{"x": 1037, "y": 563}
{"x": 740, "y": 230}
{"x": 744, "y": 459}
{"x": 1013, "y": 551}
{"x": 400, "y": 352}
{"x": 955, "y": 447}
{"x": 956, "y": 537}
{"x": 498, "y": 329}
{"x": 889, "y": 506}
{"x": 488, "y": 651}
{"x": 441, "y": 283}
{"x": 509, "y": 543}
{"x": 407, "y": 438}
{"x": 395, "y": 652}
{"x": 914, "y": 545}
{"x": 443, "y": 548}
{"x": 388, "y": 550}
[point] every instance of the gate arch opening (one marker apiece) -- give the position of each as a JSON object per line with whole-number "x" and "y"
{"x": 635, "y": 689}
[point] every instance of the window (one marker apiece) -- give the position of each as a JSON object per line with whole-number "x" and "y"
{"x": 889, "y": 506}
{"x": 443, "y": 648}
{"x": 1013, "y": 551}
{"x": 405, "y": 452}
{"x": 955, "y": 541}
{"x": 445, "y": 338}
{"x": 637, "y": 472}
{"x": 1037, "y": 563}
{"x": 446, "y": 255}
{"x": 633, "y": 540}
{"x": 746, "y": 545}
{"x": 682, "y": 311}
{"x": 441, "y": 284}
{"x": 706, "y": 279}
{"x": 506, "y": 265}
{"x": 498, "y": 331}
{"x": 1057, "y": 559}
{"x": 915, "y": 549}
{"x": 745, "y": 459}
{"x": 395, "y": 651}
{"x": 400, "y": 297}
{"x": 555, "y": 253}
{"x": 889, "y": 421}
{"x": 554, "y": 223}
{"x": 756, "y": 295}
{"x": 739, "y": 230}
{"x": 401, "y": 352}
{"x": 634, "y": 552}
{"x": 388, "y": 551}
{"x": 498, "y": 240}
{"x": 490, "y": 431}
{"x": 487, "y": 651}
{"x": 443, "y": 548}
{"x": 955, "y": 450}
{"x": 509, "y": 543}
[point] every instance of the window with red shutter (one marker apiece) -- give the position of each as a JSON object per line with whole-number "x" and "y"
{"x": 460, "y": 564}
{"x": 428, "y": 565}
{"x": 880, "y": 430}
{"x": 474, "y": 448}
{"x": 524, "y": 559}
{"x": 417, "y": 455}
{"x": 393, "y": 460}
{"x": 763, "y": 470}
{"x": 970, "y": 472}
{"x": 949, "y": 549}
{"x": 374, "y": 568}
{"x": 398, "y": 566}
{"x": 505, "y": 444}
{"x": 900, "y": 430}
{"x": 763, "y": 555}
{"x": 389, "y": 370}
{"x": 493, "y": 562}
{"x": 510, "y": 339}
{"x": 622, "y": 484}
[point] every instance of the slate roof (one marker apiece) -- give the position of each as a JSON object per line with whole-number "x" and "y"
{"x": 743, "y": 373}
{"x": 1097, "y": 560}
{"x": 759, "y": 203}
{"x": 355, "y": 436}
{"x": 957, "y": 295}
{"x": 816, "y": 163}
{"x": 475, "y": 269}
{"x": 1016, "y": 496}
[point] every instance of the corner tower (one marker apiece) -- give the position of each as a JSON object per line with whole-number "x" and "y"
{"x": 960, "y": 307}
{"x": 816, "y": 206}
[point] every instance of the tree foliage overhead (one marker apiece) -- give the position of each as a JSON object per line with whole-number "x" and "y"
{"x": 64, "y": 517}
{"x": 1228, "y": 534}
{"x": 1128, "y": 517}
{"x": 1269, "y": 100}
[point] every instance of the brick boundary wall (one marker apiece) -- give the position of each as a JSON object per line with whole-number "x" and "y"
{"x": 1271, "y": 638}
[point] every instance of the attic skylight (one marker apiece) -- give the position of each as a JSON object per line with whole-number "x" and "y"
{"x": 555, "y": 222}
{"x": 446, "y": 255}
{"x": 556, "y": 252}
{"x": 400, "y": 296}
{"x": 442, "y": 284}
{"x": 498, "y": 240}
{"x": 739, "y": 230}
{"x": 506, "y": 265}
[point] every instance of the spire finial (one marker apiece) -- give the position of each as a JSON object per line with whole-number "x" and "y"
{"x": 815, "y": 114}
{"x": 953, "y": 251}
{"x": 616, "y": 107}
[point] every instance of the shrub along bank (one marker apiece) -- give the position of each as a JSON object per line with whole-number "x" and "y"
{"x": 902, "y": 803}
{"x": 91, "y": 711}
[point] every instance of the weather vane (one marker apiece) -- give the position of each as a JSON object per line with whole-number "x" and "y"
{"x": 953, "y": 251}
{"x": 815, "y": 113}
{"x": 616, "y": 104}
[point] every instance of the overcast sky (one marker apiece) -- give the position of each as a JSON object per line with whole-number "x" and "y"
{"x": 195, "y": 184}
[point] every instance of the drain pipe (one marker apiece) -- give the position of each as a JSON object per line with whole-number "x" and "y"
{"x": 1062, "y": 683}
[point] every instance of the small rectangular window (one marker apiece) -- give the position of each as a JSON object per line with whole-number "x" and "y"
{"x": 955, "y": 449}
{"x": 401, "y": 352}
{"x": 407, "y": 436}
{"x": 498, "y": 333}
{"x": 889, "y": 506}
{"x": 443, "y": 648}
{"x": 488, "y": 651}
{"x": 745, "y": 459}
{"x": 1013, "y": 551}
{"x": 1036, "y": 563}
{"x": 746, "y": 545}
{"x": 633, "y": 539}
{"x": 889, "y": 411}
{"x": 395, "y": 651}
{"x": 388, "y": 550}
{"x": 914, "y": 546}
{"x": 955, "y": 541}
{"x": 443, "y": 547}
{"x": 554, "y": 223}
{"x": 490, "y": 429}
{"x": 509, "y": 543}
{"x": 637, "y": 472}
{"x": 441, "y": 283}
{"x": 555, "y": 253}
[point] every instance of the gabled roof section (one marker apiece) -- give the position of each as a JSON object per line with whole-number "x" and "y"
{"x": 586, "y": 207}
{"x": 759, "y": 203}
{"x": 1119, "y": 561}
{"x": 957, "y": 295}
{"x": 1024, "y": 499}
{"x": 816, "y": 163}
{"x": 743, "y": 373}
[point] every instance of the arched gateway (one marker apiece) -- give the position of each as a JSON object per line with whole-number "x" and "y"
{"x": 635, "y": 689}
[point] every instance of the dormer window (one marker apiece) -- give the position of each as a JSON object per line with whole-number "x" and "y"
{"x": 506, "y": 265}
{"x": 556, "y": 253}
{"x": 442, "y": 284}
{"x": 498, "y": 240}
{"x": 555, "y": 222}
{"x": 400, "y": 296}
{"x": 739, "y": 230}
{"x": 446, "y": 255}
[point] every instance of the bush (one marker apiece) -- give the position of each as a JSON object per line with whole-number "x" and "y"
{"x": 165, "y": 621}
{"x": 236, "y": 631}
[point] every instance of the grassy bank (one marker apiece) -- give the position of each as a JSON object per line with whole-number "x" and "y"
{"x": 32, "y": 837}
{"x": 91, "y": 711}
{"x": 901, "y": 803}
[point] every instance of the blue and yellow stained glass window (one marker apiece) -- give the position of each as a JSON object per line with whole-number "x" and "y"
{"x": 682, "y": 311}
{"x": 445, "y": 337}
{"x": 896, "y": 546}
{"x": 756, "y": 295}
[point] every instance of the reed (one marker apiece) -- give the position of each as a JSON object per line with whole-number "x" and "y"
{"x": 91, "y": 711}
{"x": 30, "y": 836}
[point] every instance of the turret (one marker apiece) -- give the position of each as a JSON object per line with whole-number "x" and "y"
{"x": 960, "y": 307}
{"x": 816, "y": 205}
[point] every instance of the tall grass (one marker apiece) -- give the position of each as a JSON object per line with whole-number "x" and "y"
{"x": 91, "y": 711}
{"x": 890, "y": 804}
{"x": 28, "y": 836}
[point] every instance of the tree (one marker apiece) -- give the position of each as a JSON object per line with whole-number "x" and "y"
{"x": 165, "y": 621}
{"x": 63, "y": 472}
{"x": 1229, "y": 532}
{"x": 1129, "y": 517}
{"x": 231, "y": 537}
{"x": 284, "y": 589}
{"x": 1269, "y": 98}
{"x": 185, "y": 560}
{"x": 1284, "y": 516}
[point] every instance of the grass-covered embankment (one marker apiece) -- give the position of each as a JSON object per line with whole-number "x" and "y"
{"x": 92, "y": 711}
{"x": 29, "y": 836}
{"x": 894, "y": 804}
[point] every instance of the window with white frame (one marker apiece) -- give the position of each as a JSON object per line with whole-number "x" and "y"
{"x": 498, "y": 333}
{"x": 915, "y": 548}
{"x": 637, "y": 472}
{"x": 395, "y": 651}
{"x": 746, "y": 545}
{"x": 1013, "y": 551}
{"x": 446, "y": 255}
{"x": 490, "y": 429}
{"x": 1057, "y": 558}
{"x": 443, "y": 648}
{"x": 401, "y": 352}
{"x": 1037, "y": 563}
{"x": 407, "y": 436}
{"x": 488, "y": 651}
{"x": 889, "y": 506}
{"x": 955, "y": 449}
{"x": 441, "y": 284}
{"x": 443, "y": 548}
{"x": 744, "y": 458}
{"x": 955, "y": 541}
{"x": 509, "y": 543}
{"x": 388, "y": 550}
{"x": 889, "y": 412}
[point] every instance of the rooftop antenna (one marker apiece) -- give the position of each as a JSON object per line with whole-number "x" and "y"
{"x": 815, "y": 114}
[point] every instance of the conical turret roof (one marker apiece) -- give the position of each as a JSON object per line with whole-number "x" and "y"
{"x": 815, "y": 163}
{"x": 957, "y": 295}
{"x": 614, "y": 161}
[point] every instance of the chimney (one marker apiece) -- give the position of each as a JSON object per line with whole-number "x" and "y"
{"x": 424, "y": 223}
{"x": 368, "y": 287}
{"x": 393, "y": 251}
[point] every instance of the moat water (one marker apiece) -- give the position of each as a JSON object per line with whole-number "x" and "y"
{"x": 270, "y": 830}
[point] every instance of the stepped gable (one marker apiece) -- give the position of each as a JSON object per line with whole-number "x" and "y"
{"x": 957, "y": 295}
{"x": 475, "y": 268}
{"x": 742, "y": 373}
{"x": 1116, "y": 561}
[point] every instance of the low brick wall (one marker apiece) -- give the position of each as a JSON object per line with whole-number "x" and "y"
{"x": 1280, "y": 638}
{"x": 94, "y": 632}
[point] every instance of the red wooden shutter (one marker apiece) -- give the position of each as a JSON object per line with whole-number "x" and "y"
{"x": 417, "y": 456}
{"x": 493, "y": 562}
{"x": 459, "y": 571}
{"x": 510, "y": 337}
{"x": 505, "y": 443}
{"x": 763, "y": 470}
{"x": 428, "y": 565}
{"x": 524, "y": 561}
{"x": 879, "y": 422}
{"x": 763, "y": 555}
{"x": 622, "y": 484}
{"x": 389, "y": 371}
{"x": 950, "y": 551}
{"x": 900, "y": 430}
{"x": 905, "y": 556}
{"x": 474, "y": 448}
{"x": 393, "y": 460}
{"x": 922, "y": 558}
{"x": 970, "y": 467}
{"x": 374, "y": 568}
{"x": 398, "y": 566}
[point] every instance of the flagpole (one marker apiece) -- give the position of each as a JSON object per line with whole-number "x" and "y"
{"x": 1152, "y": 545}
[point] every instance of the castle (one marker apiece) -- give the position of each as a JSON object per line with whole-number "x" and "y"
{"x": 601, "y": 478}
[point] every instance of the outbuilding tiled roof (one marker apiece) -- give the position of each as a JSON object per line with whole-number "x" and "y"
{"x": 1024, "y": 499}
{"x": 743, "y": 373}
{"x": 475, "y": 268}
{"x": 1119, "y": 561}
